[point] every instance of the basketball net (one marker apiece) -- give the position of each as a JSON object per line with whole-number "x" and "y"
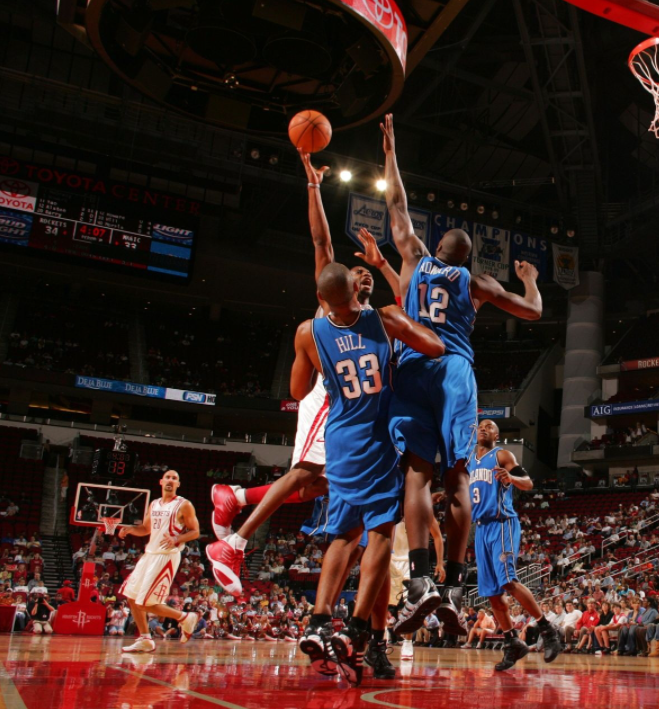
{"x": 110, "y": 524}
{"x": 644, "y": 65}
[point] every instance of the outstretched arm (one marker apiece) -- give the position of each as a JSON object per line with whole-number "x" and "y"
{"x": 420, "y": 338}
{"x": 485, "y": 289}
{"x": 409, "y": 246}
{"x": 306, "y": 362}
{"x": 320, "y": 231}
{"x": 373, "y": 257}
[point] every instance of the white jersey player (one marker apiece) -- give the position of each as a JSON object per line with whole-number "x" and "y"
{"x": 171, "y": 521}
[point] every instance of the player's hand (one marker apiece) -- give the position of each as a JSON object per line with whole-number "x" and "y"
{"x": 387, "y": 128}
{"x": 124, "y": 532}
{"x": 503, "y": 476}
{"x": 314, "y": 176}
{"x": 437, "y": 497}
{"x": 169, "y": 542}
{"x": 372, "y": 254}
{"x": 526, "y": 271}
{"x": 440, "y": 572}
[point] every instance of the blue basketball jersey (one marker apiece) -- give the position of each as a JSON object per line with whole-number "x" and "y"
{"x": 362, "y": 464}
{"x": 490, "y": 500}
{"x": 439, "y": 298}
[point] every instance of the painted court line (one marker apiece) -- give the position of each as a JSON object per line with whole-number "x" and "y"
{"x": 10, "y": 697}
{"x": 189, "y": 692}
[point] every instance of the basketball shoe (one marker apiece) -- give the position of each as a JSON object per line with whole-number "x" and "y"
{"x": 187, "y": 625}
{"x": 407, "y": 651}
{"x": 226, "y": 561}
{"x": 316, "y": 644}
{"x": 449, "y": 611}
{"x": 226, "y": 508}
{"x": 142, "y": 644}
{"x": 376, "y": 657}
{"x": 552, "y": 643}
{"x": 422, "y": 598}
{"x": 513, "y": 650}
{"x": 350, "y": 647}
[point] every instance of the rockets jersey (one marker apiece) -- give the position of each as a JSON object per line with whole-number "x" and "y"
{"x": 362, "y": 464}
{"x": 439, "y": 297}
{"x": 163, "y": 521}
{"x": 490, "y": 500}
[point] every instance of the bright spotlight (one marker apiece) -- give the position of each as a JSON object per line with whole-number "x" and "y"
{"x": 345, "y": 175}
{"x": 381, "y": 185}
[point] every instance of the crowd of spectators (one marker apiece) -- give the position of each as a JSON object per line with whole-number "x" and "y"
{"x": 630, "y": 436}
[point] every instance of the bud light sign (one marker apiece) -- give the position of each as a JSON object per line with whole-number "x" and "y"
{"x": 15, "y": 227}
{"x": 172, "y": 234}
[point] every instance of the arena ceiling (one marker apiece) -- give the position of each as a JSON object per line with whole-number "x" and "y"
{"x": 526, "y": 105}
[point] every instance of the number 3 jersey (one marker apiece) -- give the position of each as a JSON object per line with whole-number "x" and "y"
{"x": 490, "y": 500}
{"x": 439, "y": 297}
{"x": 362, "y": 464}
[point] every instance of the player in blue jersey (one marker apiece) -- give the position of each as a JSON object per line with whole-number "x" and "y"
{"x": 434, "y": 408}
{"x": 493, "y": 474}
{"x": 351, "y": 347}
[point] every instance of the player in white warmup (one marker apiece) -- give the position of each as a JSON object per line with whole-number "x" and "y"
{"x": 171, "y": 521}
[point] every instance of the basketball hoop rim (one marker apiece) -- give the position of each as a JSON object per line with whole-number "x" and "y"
{"x": 110, "y": 524}
{"x": 645, "y": 44}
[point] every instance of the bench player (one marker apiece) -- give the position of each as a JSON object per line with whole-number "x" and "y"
{"x": 171, "y": 521}
{"x": 304, "y": 481}
{"x": 434, "y": 406}
{"x": 351, "y": 347}
{"x": 493, "y": 473}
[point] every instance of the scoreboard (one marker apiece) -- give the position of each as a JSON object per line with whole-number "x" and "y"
{"x": 102, "y": 223}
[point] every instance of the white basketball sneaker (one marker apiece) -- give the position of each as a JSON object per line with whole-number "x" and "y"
{"x": 188, "y": 624}
{"x": 140, "y": 645}
{"x": 407, "y": 651}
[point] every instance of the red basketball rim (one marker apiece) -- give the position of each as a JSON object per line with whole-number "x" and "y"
{"x": 645, "y": 44}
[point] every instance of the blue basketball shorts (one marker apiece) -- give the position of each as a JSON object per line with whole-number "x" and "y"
{"x": 318, "y": 522}
{"x": 497, "y": 548}
{"x": 434, "y": 409}
{"x": 344, "y": 517}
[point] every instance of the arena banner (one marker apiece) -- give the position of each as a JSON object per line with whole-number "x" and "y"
{"x": 524, "y": 247}
{"x": 566, "y": 265}
{"x": 636, "y": 364}
{"x": 622, "y": 408}
{"x": 421, "y": 223}
{"x": 289, "y": 406}
{"x": 494, "y": 412}
{"x": 148, "y": 390}
{"x": 491, "y": 253}
{"x": 368, "y": 213}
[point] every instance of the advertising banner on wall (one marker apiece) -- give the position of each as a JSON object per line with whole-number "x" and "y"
{"x": 148, "y": 390}
{"x": 621, "y": 408}
{"x": 494, "y": 412}
{"x": 636, "y": 364}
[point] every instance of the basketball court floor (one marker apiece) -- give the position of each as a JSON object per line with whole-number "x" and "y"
{"x": 90, "y": 673}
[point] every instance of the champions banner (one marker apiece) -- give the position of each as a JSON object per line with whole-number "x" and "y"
{"x": 153, "y": 392}
{"x": 566, "y": 265}
{"x": 368, "y": 213}
{"x": 524, "y": 247}
{"x": 491, "y": 252}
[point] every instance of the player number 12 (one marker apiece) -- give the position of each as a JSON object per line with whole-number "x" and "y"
{"x": 439, "y": 297}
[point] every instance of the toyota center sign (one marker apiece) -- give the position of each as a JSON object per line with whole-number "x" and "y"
{"x": 385, "y": 16}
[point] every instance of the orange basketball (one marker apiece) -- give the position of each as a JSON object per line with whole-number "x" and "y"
{"x": 310, "y": 131}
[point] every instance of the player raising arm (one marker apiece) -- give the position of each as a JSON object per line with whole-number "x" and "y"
{"x": 434, "y": 405}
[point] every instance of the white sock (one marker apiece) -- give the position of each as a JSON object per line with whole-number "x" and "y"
{"x": 146, "y": 636}
{"x": 237, "y": 542}
{"x": 240, "y": 496}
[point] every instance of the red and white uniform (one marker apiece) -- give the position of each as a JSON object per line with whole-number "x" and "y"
{"x": 151, "y": 580}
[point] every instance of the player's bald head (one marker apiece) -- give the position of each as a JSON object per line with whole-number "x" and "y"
{"x": 336, "y": 285}
{"x": 454, "y": 247}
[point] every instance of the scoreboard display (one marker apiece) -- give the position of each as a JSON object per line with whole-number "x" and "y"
{"x": 81, "y": 217}
{"x": 113, "y": 465}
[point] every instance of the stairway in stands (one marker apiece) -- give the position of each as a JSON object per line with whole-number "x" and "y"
{"x": 56, "y": 548}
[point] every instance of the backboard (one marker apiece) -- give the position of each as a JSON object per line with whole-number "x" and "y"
{"x": 638, "y": 14}
{"x": 93, "y": 502}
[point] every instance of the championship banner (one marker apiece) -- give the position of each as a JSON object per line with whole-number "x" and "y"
{"x": 289, "y": 406}
{"x": 491, "y": 253}
{"x": 441, "y": 223}
{"x": 148, "y": 390}
{"x": 622, "y": 408}
{"x": 368, "y": 213}
{"x": 636, "y": 364}
{"x": 524, "y": 247}
{"x": 566, "y": 265}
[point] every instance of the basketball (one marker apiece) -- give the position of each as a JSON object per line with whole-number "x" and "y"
{"x": 310, "y": 131}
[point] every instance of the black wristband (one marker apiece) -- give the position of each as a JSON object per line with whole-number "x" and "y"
{"x": 519, "y": 472}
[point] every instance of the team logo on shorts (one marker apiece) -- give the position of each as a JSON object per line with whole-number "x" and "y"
{"x": 504, "y": 556}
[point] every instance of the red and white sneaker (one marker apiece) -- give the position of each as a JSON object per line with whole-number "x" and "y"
{"x": 226, "y": 508}
{"x": 187, "y": 625}
{"x": 140, "y": 645}
{"x": 226, "y": 562}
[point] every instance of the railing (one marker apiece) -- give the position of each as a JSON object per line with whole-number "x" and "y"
{"x": 643, "y": 524}
{"x": 530, "y": 576}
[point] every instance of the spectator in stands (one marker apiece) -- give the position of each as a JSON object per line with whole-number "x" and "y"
{"x": 35, "y": 582}
{"x": 11, "y": 510}
{"x": 569, "y": 623}
{"x": 67, "y": 592}
{"x": 483, "y": 627}
{"x": 636, "y": 637}
{"x": 117, "y": 618}
{"x": 64, "y": 486}
{"x": 39, "y": 611}
{"x": 341, "y": 610}
{"x": 585, "y": 626}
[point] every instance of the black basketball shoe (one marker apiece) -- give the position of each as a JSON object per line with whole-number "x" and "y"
{"x": 376, "y": 657}
{"x": 350, "y": 647}
{"x": 552, "y": 643}
{"x": 422, "y": 598}
{"x": 513, "y": 650}
{"x": 316, "y": 644}
{"x": 449, "y": 611}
